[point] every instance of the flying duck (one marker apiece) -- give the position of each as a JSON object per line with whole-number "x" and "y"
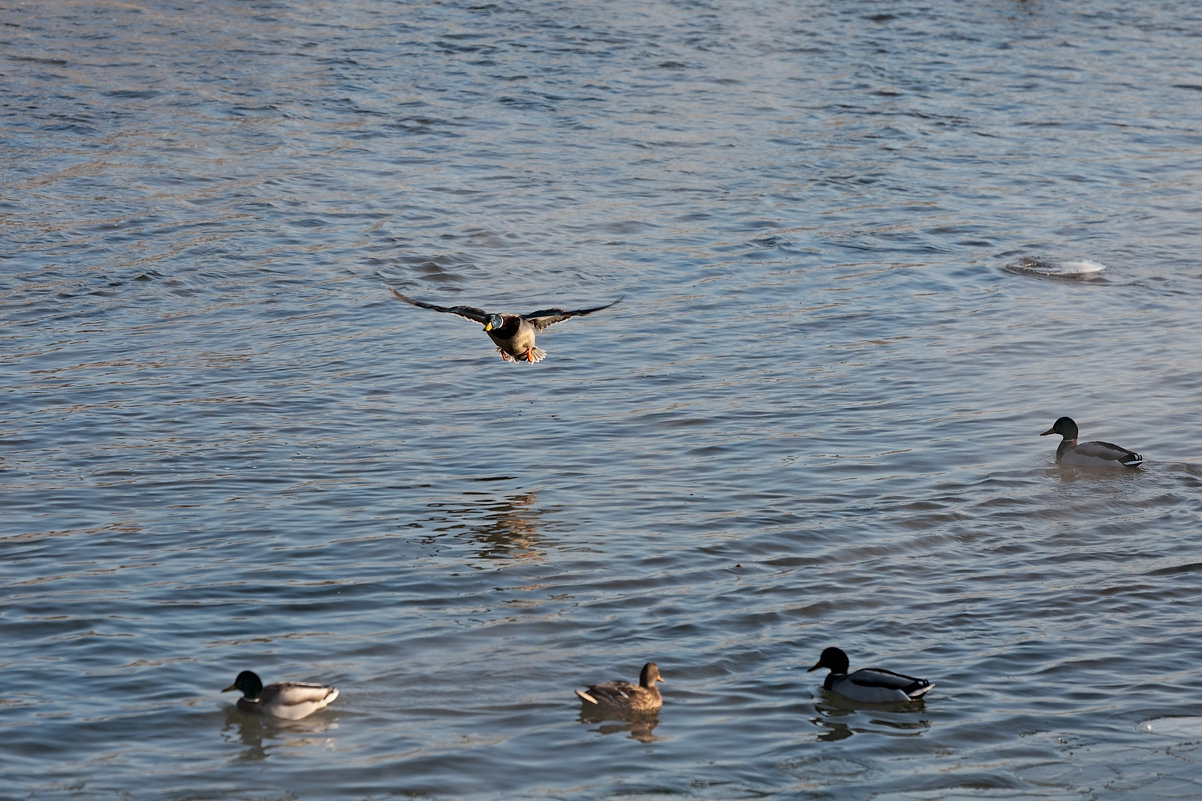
{"x": 513, "y": 334}
{"x": 1089, "y": 454}
{"x": 288, "y": 700}
{"x": 622, "y": 696}
{"x": 870, "y": 685}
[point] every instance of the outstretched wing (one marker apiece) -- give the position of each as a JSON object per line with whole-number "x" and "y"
{"x": 545, "y": 317}
{"x": 470, "y": 312}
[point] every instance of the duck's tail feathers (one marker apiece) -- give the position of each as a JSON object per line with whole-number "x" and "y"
{"x": 919, "y": 692}
{"x": 588, "y": 699}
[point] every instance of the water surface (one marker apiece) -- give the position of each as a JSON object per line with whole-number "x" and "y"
{"x": 813, "y": 419}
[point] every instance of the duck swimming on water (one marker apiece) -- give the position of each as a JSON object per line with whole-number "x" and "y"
{"x": 870, "y": 685}
{"x": 623, "y": 697}
{"x": 289, "y": 700}
{"x": 1089, "y": 454}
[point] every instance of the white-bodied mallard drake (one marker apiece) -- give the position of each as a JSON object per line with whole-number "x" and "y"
{"x": 1089, "y": 454}
{"x": 870, "y": 685}
{"x": 289, "y": 700}
{"x": 622, "y": 696}
{"x": 513, "y": 334}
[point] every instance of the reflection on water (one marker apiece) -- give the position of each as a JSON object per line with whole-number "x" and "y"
{"x": 640, "y": 727}
{"x": 840, "y": 720}
{"x": 260, "y": 736}
{"x": 501, "y": 528}
{"x": 834, "y": 730}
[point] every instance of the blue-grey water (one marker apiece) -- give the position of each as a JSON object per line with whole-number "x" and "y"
{"x": 869, "y": 251}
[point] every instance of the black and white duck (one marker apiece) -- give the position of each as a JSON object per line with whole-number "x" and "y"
{"x": 289, "y": 700}
{"x": 1089, "y": 454}
{"x": 870, "y": 685}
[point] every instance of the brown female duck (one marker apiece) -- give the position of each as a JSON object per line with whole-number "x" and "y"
{"x": 622, "y": 696}
{"x": 513, "y": 334}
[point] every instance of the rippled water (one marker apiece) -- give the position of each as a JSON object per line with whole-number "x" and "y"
{"x": 850, "y": 239}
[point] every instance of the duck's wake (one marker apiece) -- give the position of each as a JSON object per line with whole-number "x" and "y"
{"x": 1056, "y": 268}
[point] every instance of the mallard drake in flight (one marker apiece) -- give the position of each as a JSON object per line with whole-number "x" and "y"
{"x": 622, "y": 696}
{"x": 513, "y": 334}
{"x": 1089, "y": 454}
{"x": 870, "y": 685}
{"x": 288, "y": 700}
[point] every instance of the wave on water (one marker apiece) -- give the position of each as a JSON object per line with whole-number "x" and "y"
{"x": 1057, "y": 268}
{"x": 1184, "y": 728}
